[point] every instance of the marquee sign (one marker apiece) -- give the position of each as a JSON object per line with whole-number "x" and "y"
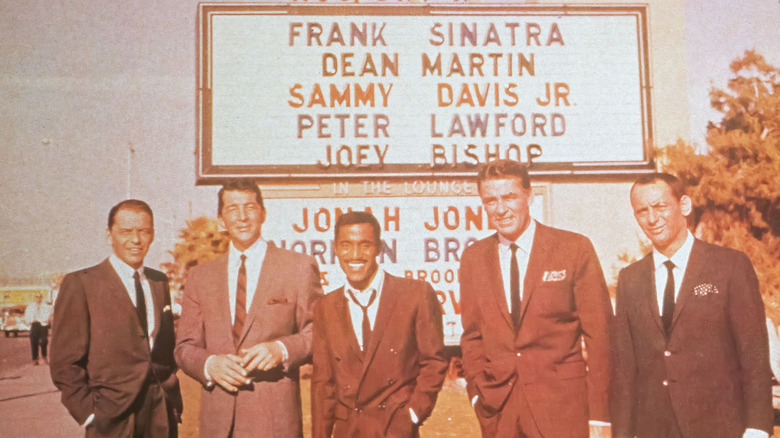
{"x": 314, "y": 92}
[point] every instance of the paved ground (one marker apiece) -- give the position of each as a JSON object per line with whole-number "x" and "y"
{"x": 29, "y": 402}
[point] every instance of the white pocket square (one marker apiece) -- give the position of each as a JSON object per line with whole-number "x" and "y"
{"x": 554, "y": 275}
{"x": 705, "y": 289}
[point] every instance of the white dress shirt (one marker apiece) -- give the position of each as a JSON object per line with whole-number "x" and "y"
{"x": 37, "y": 313}
{"x": 524, "y": 243}
{"x": 363, "y": 297}
{"x": 125, "y": 273}
{"x": 255, "y": 255}
{"x": 680, "y": 260}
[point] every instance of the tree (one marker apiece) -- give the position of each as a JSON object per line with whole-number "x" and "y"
{"x": 735, "y": 182}
{"x": 201, "y": 241}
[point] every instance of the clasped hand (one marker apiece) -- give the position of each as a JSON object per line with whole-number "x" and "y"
{"x": 231, "y": 371}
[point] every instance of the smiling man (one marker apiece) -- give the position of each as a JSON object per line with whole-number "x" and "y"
{"x": 112, "y": 348}
{"x": 691, "y": 351}
{"x": 529, "y": 295}
{"x": 246, "y": 326}
{"x": 378, "y": 346}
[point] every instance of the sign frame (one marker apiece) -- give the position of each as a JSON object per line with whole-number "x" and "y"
{"x": 208, "y": 172}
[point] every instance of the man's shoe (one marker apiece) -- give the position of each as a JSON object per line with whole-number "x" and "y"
{"x": 35, "y": 361}
{"x": 45, "y": 360}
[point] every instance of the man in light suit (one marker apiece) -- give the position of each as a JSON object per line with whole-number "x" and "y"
{"x": 691, "y": 352}
{"x": 378, "y": 346}
{"x": 529, "y": 296}
{"x": 246, "y": 326}
{"x": 112, "y": 347}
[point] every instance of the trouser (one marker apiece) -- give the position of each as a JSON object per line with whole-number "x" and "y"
{"x": 39, "y": 336}
{"x": 516, "y": 419}
{"x": 148, "y": 417}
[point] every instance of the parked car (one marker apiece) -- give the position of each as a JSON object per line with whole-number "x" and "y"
{"x": 13, "y": 322}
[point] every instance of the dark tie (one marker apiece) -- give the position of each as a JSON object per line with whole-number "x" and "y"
{"x": 514, "y": 287}
{"x": 668, "y": 308}
{"x": 140, "y": 303}
{"x": 366, "y": 323}
{"x": 238, "y": 322}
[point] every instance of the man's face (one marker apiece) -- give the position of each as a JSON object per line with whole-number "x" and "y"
{"x": 130, "y": 236}
{"x": 242, "y": 217}
{"x": 661, "y": 215}
{"x": 357, "y": 249}
{"x": 506, "y": 203}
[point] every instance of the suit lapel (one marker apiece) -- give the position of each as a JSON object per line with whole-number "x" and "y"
{"x": 495, "y": 281}
{"x": 693, "y": 272}
{"x": 218, "y": 291}
{"x": 537, "y": 260}
{"x": 342, "y": 327}
{"x": 384, "y": 314}
{"x": 265, "y": 284}
{"x": 158, "y": 302}
{"x": 115, "y": 290}
{"x": 646, "y": 290}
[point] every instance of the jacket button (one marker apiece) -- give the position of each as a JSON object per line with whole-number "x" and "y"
{"x": 667, "y": 353}
{"x": 519, "y": 354}
{"x": 666, "y": 383}
{"x": 382, "y": 406}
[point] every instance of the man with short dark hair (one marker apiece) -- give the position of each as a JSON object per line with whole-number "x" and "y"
{"x": 530, "y": 294}
{"x": 246, "y": 326}
{"x": 691, "y": 356}
{"x": 378, "y": 344}
{"x": 112, "y": 348}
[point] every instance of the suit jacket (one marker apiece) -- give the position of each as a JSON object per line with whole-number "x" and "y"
{"x": 716, "y": 361}
{"x": 100, "y": 357}
{"x": 281, "y": 309}
{"x": 565, "y": 299}
{"x": 403, "y": 366}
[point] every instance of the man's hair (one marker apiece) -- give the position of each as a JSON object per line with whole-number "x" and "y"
{"x": 677, "y": 186}
{"x": 241, "y": 185}
{"x": 503, "y": 169}
{"x": 358, "y": 217}
{"x": 129, "y": 204}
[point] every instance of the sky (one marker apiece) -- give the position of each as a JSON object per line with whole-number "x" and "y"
{"x": 78, "y": 77}
{"x": 716, "y": 33}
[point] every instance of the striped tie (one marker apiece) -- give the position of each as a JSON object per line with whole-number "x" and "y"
{"x": 238, "y": 322}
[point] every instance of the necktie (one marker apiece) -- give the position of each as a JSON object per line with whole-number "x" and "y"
{"x": 366, "y": 326}
{"x": 668, "y": 307}
{"x": 140, "y": 303}
{"x": 238, "y": 321}
{"x": 514, "y": 287}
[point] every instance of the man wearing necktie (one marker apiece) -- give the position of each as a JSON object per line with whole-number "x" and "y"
{"x": 691, "y": 355}
{"x": 112, "y": 347}
{"x": 530, "y": 295}
{"x": 246, "y": 326}
{"x": 378, "y": 347}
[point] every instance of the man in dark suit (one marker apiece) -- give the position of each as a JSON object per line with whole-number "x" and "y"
{"x": 378, "y": 345}
{"x": 691, "y": 353}
{"x": 529, "y": 296}
{"x": 112, "y": 347}
{"x": 246, "y": 326}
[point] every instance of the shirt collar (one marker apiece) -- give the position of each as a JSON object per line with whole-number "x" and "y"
{"x": 679, "y": 258}
{"x": 376, "y": 283}
{"x": 524, "y": 242}
{"x": 123, "y": 269}
{"x": 256, "y": 250}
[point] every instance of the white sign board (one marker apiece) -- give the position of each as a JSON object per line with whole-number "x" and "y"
{"x": 333, "y": 91}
